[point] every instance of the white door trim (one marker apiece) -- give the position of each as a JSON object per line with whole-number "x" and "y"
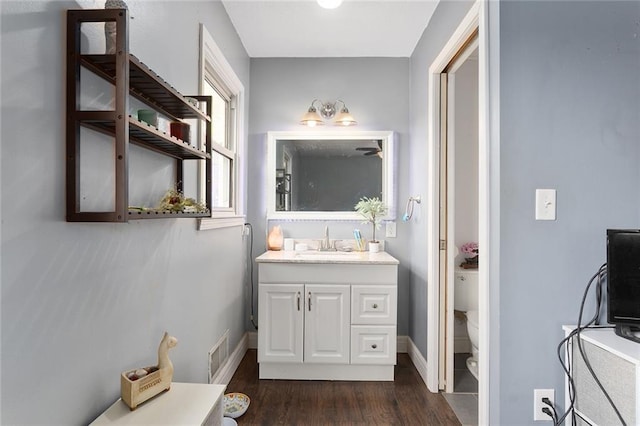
{"x": 452, "y": 69}
{"x": 477, "y": 17}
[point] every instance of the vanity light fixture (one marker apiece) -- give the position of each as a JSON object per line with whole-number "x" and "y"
{"x": 327, "y": 111}
{"x": 329, "y": 4}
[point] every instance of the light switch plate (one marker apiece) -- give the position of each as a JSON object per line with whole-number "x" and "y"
{"x": 545, "y": 204}
{"x": 391, "y": 230}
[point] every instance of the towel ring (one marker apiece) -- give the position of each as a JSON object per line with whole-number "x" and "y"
{"x": 408, "y": 213}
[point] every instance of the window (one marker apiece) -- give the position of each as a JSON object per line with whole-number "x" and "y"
{"x": 223, "y": 155}
{"x": 219, "y": 81}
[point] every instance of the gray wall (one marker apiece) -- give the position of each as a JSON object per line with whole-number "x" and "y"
{"x": 377, "y": 93}
{"x": 570, "y": 120}
{"x": 466, "y": 154}
{"x": 569, "y": 114}
{"x": 83, "y": 302}
{"x": 446, "y": 18}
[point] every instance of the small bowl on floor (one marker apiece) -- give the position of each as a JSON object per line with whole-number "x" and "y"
{"x": 235, "y": 404}
{"x": 228, "y": 421}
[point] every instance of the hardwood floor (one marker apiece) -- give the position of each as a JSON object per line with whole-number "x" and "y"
{"x": 405, "y": 401}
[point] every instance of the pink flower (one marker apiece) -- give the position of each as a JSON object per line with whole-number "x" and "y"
{"x": 469, "y": 248}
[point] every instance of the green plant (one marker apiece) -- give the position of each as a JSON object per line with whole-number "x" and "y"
{"x": 175, "y": 201}
{"x": 373, "y": 210}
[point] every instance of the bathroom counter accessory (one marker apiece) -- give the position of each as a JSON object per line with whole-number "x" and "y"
{"x": 312, "y": 256}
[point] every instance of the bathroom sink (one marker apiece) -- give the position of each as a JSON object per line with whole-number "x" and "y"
{"x": 325, "y": 254}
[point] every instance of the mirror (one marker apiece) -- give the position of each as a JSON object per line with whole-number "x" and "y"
{"x": 322, "y": 175}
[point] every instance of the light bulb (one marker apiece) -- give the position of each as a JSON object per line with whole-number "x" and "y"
{"x": 329, "y": 4}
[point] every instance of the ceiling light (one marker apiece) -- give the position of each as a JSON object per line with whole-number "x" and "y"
{"x": 329, "y": 4}
{"x": 327, "y": 111}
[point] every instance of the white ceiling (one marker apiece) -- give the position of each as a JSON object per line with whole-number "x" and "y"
{"x": 302, "y": 29}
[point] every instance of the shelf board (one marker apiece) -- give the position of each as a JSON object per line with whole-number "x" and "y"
{"x": 155, "y": 214}
{"x": 148, "y": 136}
{"x": 146, "y": 85}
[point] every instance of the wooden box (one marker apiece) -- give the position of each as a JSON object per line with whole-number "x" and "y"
{"x": 135, "y": 392}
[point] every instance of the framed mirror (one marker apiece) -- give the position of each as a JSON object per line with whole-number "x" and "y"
{"x": 321, "y": 175}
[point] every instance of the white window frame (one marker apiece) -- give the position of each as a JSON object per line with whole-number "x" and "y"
{"x": 211, "y": 58}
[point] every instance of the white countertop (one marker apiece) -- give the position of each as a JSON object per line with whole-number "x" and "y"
{"x": 183, "y": 404}
{"x": 312, "y": 256}
{"x": 606, "y": 338}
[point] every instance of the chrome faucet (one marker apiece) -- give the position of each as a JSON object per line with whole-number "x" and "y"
{"x": 325, "y": 243}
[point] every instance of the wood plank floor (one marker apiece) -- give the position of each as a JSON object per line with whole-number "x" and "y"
{"x": 405, "y": 401}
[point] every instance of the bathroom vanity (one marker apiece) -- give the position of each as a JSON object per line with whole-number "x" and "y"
{"x": 327, "y": 315}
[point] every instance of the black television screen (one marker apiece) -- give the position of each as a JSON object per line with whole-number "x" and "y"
{"x": 623, "y": 280}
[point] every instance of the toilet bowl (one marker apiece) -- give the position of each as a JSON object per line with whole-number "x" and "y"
{"x": 466, "y": 300}
{"x": 474, "y": 337}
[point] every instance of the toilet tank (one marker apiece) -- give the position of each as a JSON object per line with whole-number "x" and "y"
{"x": 465, "y": 297}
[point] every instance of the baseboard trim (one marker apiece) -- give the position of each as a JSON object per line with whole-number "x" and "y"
{"x": 461, "y": 344}
{"x": 253, "y": 339}
{"x": 418, "y": 361}
{"x": 402, "y": 343}
{"x": 233, "y": 362}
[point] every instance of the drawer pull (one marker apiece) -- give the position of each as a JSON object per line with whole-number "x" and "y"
{"x": 375, "y": 306}
{"x": 298, "y": 297}
{"x": 309, "y": 296}
{"x": 374, "y": 346}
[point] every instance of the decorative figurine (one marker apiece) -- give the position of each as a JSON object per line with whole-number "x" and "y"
{"x": 141, "y": 384}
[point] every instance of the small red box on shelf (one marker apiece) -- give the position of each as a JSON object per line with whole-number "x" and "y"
{"x": 180, "y": 130}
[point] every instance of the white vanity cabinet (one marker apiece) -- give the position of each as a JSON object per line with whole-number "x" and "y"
{"x": 327, "y": 318}
{"x": 304, "y": 322}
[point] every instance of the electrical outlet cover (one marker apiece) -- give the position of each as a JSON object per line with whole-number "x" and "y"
{"x": 390, "y": 230}
{"x": 538, "y": 405}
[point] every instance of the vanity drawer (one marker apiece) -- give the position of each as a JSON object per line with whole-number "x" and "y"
{"x": 373, "y": 345}
{"x": 373, "y": 304}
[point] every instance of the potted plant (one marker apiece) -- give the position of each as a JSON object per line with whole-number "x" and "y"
{"x": 373, "y": 210}
{"x": 470, "y": 251}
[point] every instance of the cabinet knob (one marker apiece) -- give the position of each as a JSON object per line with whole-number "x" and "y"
{"x": 374, "y": 346}
{"x": 375, "y": 306}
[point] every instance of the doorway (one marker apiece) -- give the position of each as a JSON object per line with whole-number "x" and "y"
{"x": 458, "y": 206}
{"x": 442, "y": 258}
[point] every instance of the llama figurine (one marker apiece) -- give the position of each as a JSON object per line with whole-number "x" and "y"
{"x": 137, "y": 386}
{"x": 164, "y": 363}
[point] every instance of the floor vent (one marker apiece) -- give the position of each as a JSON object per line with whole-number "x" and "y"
{"x": 218, "y": 356}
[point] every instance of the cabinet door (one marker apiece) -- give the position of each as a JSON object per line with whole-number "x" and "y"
{"x": 327, "y": 324}
{"x": 280, "y": 322}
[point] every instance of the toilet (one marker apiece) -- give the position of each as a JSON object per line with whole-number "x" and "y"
{"x": 466, "y": 300}
{"x": 474, "y": 336}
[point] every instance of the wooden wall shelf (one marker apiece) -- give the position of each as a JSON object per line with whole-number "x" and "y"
{"x": 145, "y": 85}
{"x": 130, "y": 77}
{"x": 150, "y": 137}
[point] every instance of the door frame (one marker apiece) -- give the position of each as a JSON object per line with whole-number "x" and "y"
{"x": 488, "y": 195}
{"x": 447, "y": 255}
